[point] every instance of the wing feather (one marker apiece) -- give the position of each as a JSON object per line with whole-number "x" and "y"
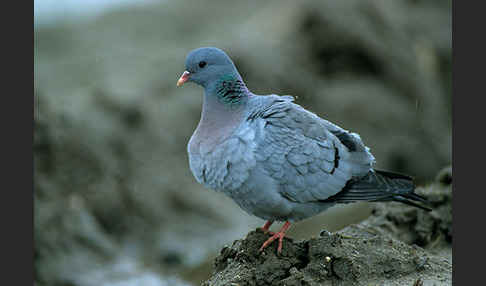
{"x": 311, "y": 158}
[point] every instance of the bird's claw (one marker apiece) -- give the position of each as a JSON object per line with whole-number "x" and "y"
{"x": 275, "y": 235}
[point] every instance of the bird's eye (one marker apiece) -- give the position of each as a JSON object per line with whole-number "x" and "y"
{"x": 202, "y": 64}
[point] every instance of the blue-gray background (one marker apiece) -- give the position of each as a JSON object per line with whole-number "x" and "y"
{"x": 115, "y": 203}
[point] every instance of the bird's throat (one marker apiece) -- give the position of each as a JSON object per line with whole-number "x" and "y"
{"x": 217, "y": 123}
{"x": 222, "y": 112}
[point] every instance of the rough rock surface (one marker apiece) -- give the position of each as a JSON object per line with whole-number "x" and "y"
{"x": 382, "y": 250}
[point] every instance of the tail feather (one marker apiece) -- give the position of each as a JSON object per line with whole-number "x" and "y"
{"x": 410, "y": 203}
{"x": 380, "y": 186}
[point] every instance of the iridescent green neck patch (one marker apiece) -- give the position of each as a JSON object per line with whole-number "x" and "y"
{"x": 231, "y": 90}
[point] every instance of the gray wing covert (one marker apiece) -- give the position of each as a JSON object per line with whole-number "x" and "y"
{"x": 300, "y": 152}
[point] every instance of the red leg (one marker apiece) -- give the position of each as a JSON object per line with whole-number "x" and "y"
{"x": 267, "y": 225}
{"x": 280, "y": 235}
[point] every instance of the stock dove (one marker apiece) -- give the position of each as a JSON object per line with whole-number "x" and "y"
{"x": 275, "y": 159}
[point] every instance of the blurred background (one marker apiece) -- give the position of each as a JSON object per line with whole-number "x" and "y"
{"x": 115, "y": 202}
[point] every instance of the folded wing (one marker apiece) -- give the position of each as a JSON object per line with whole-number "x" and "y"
{"x": 311, "y": 158}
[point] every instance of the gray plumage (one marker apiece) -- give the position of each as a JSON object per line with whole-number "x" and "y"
{"x": 275, "y": 159}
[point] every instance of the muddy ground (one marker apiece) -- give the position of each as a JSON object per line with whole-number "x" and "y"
{"x": 396, "y": 245}
{"x": 115, "y": 202}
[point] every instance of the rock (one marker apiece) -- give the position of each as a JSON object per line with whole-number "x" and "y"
{"x": 356, "y": 255}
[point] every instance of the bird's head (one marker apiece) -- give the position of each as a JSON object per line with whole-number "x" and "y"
{"x": 205, "y": 66}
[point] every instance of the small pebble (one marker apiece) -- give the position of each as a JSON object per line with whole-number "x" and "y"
{"x": 324, "y": 233}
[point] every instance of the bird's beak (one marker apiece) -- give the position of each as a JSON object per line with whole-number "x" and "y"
{"x": 184, "y": 77}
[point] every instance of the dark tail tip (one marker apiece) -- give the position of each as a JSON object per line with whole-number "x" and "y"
{"x": 381, "y": 186}
{"x": 408, "y": 197}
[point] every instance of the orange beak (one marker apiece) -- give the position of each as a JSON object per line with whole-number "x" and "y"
{"x": 184, "y": 77}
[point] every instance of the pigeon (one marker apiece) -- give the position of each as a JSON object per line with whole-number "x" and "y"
{"x": 275, "y": 159}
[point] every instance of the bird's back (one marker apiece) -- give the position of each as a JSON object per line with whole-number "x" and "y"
{"x": 310, "y": 157}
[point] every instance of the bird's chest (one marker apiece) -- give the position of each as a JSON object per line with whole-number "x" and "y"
{"x": 222, "y": 164}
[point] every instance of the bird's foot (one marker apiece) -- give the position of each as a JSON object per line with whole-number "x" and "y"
{"x": 266, "y": 227}
{"x": 280, "y": 235}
